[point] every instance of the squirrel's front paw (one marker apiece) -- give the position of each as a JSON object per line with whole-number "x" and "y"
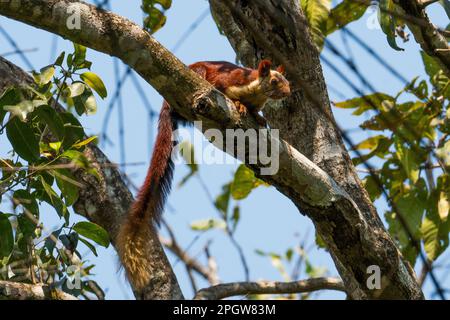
{"x": 242, "y": 109}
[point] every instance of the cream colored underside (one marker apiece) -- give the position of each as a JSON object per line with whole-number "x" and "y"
{"x": 251, "y": 94}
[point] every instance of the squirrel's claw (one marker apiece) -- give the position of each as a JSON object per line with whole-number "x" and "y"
{"x": 241, "y": 108}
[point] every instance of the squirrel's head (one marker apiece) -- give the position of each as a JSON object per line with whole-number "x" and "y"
{"x": 273, "y": 83}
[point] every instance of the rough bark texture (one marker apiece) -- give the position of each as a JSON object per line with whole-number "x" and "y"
{"x": 106, "y": 202}
{"x": 349, "y": 225}
{"x": 227, "y": 290}
{"x": 426, "y": 33}
{"x": 24, "y": 291}
{"x": 355, "y": 241}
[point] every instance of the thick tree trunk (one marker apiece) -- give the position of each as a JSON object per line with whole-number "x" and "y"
{"x": 348, "y": 224}
{"x": 355, "y": 241}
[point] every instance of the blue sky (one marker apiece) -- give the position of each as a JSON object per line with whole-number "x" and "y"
{"x": 270, "y": 222}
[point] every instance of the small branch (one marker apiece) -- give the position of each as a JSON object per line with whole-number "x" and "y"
{"x": 191, "y": 278}
{"x": 23, "y": 291}
{"x": 229, "y": 233}
{"x": 212, "y": 265}
{"x": 192, "y": 264}
{"x": 426, "y": 33}
{"x": 423, "y": 275}
{"x": 70, "y": 165}
{"x": 226, "y": 290}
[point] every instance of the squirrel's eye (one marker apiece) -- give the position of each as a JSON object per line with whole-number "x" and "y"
{"x": 273, "y": 82}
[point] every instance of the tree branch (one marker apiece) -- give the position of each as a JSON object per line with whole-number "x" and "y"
{"x": 305, "y": 121}
{"x": 173, "y": 246}
{"x": 106, "y": 201}
{"x": 226, "y": 290}
{"x": 23, "y": 291}
{"x": 426, "y": 34}
{"x": 350, "y": 226}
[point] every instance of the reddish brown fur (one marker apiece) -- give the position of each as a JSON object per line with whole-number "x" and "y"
{"x": 133, "y": 239}
{"x": 222, "y": 74}
{"x": 264, "y": 68}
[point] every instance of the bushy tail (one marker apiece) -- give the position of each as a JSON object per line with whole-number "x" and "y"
{"x": 134, "y": 235}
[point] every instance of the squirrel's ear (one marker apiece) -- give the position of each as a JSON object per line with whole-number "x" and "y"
{"x": 281, "y": 70}
{"x": 264, "y": 68}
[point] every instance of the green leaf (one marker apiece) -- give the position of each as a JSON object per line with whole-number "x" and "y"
{"x": 85, "y": 142}
{"x": 370, "y": 143}
{"x": 187, "y": 152}
{"x": 205, "y": 225}
{"x": 312, "y": 271}
{"x": 435, "y": 235}
{"x": 90, "y": 246}
{"x": 436, "y": 225}
{"x": 443, "y": 207}
{"x": 94, "y": 81}
{"x": 223, "y": 200}
{"x": 48, "y": 190}
{"x": 388, "y": 22}
{"x": 344, "y": 13}
{"x": 79, "y": 56}
{"x": 73, "y": 129}
{"x": 93, "y": 231}
{"x": 236, "y": 217}
{"x": 50, "y": 242}
{"x": 409, "y": 161}
{"x": 317, "y": 13}
{"x": 420, "y": 90}
{"x": 370, "y": 102}
{"x": 55, "y": 145}
{"x": 52, "y": 198}
{"x": 444, "y": 153}
{"x": 59, "y": 61}
{"x": 85, "y": 103}
{"x": 6, "y": 236}
{"x": 45, "y": 76}
{"x": 21, "y": 110}
{"x": 69, "y": 60}
{"x": 68, "y": 185}
{"x": 397, "y": 231}
{"x": 244, "y": 182}
{"x": 76, "y": 89}
{"x": 27, "y": 228}
{"x": 411, "y": 205}
{"x": 412, "y": 208}
{"x": 50, "y": 117}
{"x": 155, "y": 18}
{"x": 70, "y": 241}
{"x": 77, "y": 158}
{"x": 10, "y": 97}
{"x": 26, "y": 200}
{"x": 432, "y": 67}
{"x": 23, "y": 139}
{"x": 372, "y": 188}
